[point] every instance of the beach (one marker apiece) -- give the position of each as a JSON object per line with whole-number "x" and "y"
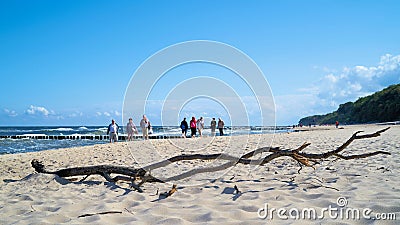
{"x": 210, "y": 198}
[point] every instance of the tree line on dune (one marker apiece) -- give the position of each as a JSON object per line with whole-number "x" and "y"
{"x": 382, "y": 106}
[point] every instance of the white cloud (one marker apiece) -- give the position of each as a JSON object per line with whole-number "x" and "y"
{"x": 11, "y": 113}
{"x": 75, "y": 114}
{"x": 107, "y": 114}
{"x": 331, "y": 78}
{"x": 352, "y": 83}
{"x": 337, "y": 88}
{"x": 38, "y": 110}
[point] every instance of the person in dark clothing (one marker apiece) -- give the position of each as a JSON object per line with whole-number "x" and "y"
{"x": 221, "y": 125}
{"x": 184, "y": 127}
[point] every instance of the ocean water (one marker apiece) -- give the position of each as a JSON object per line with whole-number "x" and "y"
{"x": 11, "y": 146}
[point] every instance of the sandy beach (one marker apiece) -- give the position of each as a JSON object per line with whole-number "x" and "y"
{"x": 210, "y": 198}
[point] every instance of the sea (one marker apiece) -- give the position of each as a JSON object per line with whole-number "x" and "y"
{"x": 22, "y": 145}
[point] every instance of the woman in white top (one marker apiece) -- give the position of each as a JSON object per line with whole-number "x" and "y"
{"x": 130, "y": 129}
{"x": 200, "y": 126}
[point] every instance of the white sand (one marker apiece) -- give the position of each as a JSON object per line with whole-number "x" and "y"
{"x": 30, "y": 198}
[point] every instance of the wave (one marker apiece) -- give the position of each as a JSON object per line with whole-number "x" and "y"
{"x": 11, "y": 146}
{"x": 103, "y": 129}
{"x": 59, "y": 129}
{"x": 16, "y": 130}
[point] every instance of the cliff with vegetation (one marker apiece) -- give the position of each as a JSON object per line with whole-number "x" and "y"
{"x": 382, "y": 106}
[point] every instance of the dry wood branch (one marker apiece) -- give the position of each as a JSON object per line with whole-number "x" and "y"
{"x": 301, "y": 159}
{"x": 362, "y": 155}
{"x": 107, "y": 177}
{"x": 344, "y": 145}
{"x": 303, "y": 146}
{"x": 320, "y": 185}
{"x": 237, "y": 189}
{"x": 301, "y": 167}
{"x": 83, "y": 179}
{"x": 260, "y": 150}
{"x": 130, "y": 174}
{"x": 170, "y": 192}
{"x": 88, "y": 170}
{"x": 135, "y": 186}
{"x": 99, "y": 213}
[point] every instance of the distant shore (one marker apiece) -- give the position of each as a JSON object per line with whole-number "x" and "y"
{"x": 332, "y": 126}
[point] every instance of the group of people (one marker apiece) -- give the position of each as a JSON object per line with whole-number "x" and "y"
{"x": 199, "y": 126}
{"x": 131, "y": 129}
{"x": 194, "y": 125}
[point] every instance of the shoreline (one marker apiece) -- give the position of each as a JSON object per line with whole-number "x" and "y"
{"x": 75, "y": 140}
{"x": 32, "y": 139}
{"x": 208, "y": 198}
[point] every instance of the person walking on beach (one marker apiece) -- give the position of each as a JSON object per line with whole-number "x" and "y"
{"x": 221, "y": 125}
{"x": 200, "y": 126}
{"x": 130, "y": 129}
{"x": 213, "y": 126}
{"x": 184, "y": 127}
{"x": 150, "y": 128}
{"x": 193, "y": 127}
{"x": 145, "y": 125}
{"x": 112, "y": 131}
{"x": 337, "y": 124}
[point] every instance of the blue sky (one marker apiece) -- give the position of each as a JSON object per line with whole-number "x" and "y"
{"x": 70, "y": 62}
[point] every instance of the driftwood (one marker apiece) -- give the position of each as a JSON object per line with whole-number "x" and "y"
{"x": 99, "y": 213}
{"x": 133, "y": 174}
{"x": 170, "y": 192}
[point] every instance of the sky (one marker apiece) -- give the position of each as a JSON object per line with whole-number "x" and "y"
{"x": 71, "y": 62}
